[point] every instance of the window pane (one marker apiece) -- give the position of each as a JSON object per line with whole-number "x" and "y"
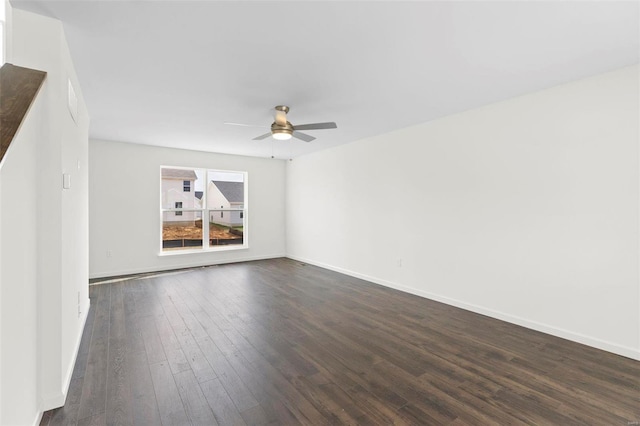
{"x": 182, "y": 185}
{"x": 191, "y": 195}
{"x": 225, "y": 199}
{"x": 225, "y": 191}
{"x": 182, "y": 232}
{"x": 226, "y": 227}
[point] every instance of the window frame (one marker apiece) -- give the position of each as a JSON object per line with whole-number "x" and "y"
{"x": 205, "y": 212}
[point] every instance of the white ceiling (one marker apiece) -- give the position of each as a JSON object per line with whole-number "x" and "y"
{"x": 169, "y": 73}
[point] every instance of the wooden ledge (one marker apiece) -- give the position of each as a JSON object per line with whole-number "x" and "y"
{"x": 18, "y": 88}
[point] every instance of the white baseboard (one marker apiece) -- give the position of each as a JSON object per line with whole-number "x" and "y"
{"x": 534, "y": 325}
{"x": 83, "y": 321}
{"x": 38, "y": 418}
{"x": 208, "y": 262}
{"x": 53, "y": 400}
{"x": 57, "y": 399}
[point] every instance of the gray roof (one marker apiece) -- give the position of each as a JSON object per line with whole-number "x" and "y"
{"x": 232, "y": 191}
{"x": 185, "y": 174}
{"x": 199, "y": 195}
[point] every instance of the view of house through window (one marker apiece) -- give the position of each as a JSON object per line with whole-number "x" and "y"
{"x": 191, "y": 195}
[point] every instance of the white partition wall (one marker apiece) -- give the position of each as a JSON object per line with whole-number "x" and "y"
{"x": 524, "y": 210}
{"x": 6, "y": 16}
{"x": 3, "y": 13}
{"x": 44, "y": 227}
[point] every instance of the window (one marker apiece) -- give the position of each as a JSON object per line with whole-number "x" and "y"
{"x": 202, "y": 209}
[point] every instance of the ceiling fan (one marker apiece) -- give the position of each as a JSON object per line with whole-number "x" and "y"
{"x": 283, "y": 130}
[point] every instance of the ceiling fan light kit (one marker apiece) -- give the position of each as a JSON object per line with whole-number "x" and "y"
{"x": 281, "y": 134}
{"x": 283, "y": 130}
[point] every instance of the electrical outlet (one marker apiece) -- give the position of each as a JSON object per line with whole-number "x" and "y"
{"x": 109, "y": 253}
{"x": 399, "y": 263}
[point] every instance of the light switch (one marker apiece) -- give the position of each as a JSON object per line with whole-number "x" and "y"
{"x": 66, "y": 181}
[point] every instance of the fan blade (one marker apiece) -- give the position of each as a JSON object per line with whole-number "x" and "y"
{"x": 281, "y": 118}
{"x": 243, "y": 125}
{"x": 316, "y": 126}
{"x": 303, "y": 136}
{"x": 259, "y": 138}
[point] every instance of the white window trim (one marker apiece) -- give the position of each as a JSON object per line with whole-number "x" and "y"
{"x": 205, "y": 213}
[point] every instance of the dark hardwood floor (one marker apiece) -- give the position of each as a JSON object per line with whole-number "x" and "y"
{"x": 278, "y": 342}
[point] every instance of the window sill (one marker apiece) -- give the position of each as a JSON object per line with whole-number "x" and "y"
{"x": 207, "y": 250}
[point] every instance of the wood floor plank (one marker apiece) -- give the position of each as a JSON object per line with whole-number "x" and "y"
{"x": 95, "y": 420}
{"x": 94, "y": 385}
{"x": 301, "y": 409}
{"x": 299, "y": 366}
{"x": 143, "y": 394}
{"x": 195, "y": 404}
{"x": 119, "y": 408}
{"x": 279, "y": 342}
{"x": 152, "y": 343}
{"x": 177, "y": 360}
{"x": 170, "y": 405}
{"x": 345, "y": 401}
{"x": 166, "y": 333}
{"x": 224, "y": 410}
{"x": 196, "y": 359}
{"x": 135, "y": 341}
{"x": 237, "y": 390}
{"x": 233, "y": 361}
{"x": 255, "y": 416}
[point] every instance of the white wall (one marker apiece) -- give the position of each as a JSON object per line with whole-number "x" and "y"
{"x": 74, "y": 241}
{"x": 525, "y": 210}
{"x": 2, "y": 30}
{"x": 19, "y": 404}
{"x": 1, "y": 299}
{"x": 59, "y": 223}
{"x": 8, "y": 31}
{"x": 124, "y": 205}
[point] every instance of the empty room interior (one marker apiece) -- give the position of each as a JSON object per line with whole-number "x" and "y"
{"x": 308, "y": 212}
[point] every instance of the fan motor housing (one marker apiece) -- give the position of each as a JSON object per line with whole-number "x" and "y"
{"x": 277, "y": 128}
